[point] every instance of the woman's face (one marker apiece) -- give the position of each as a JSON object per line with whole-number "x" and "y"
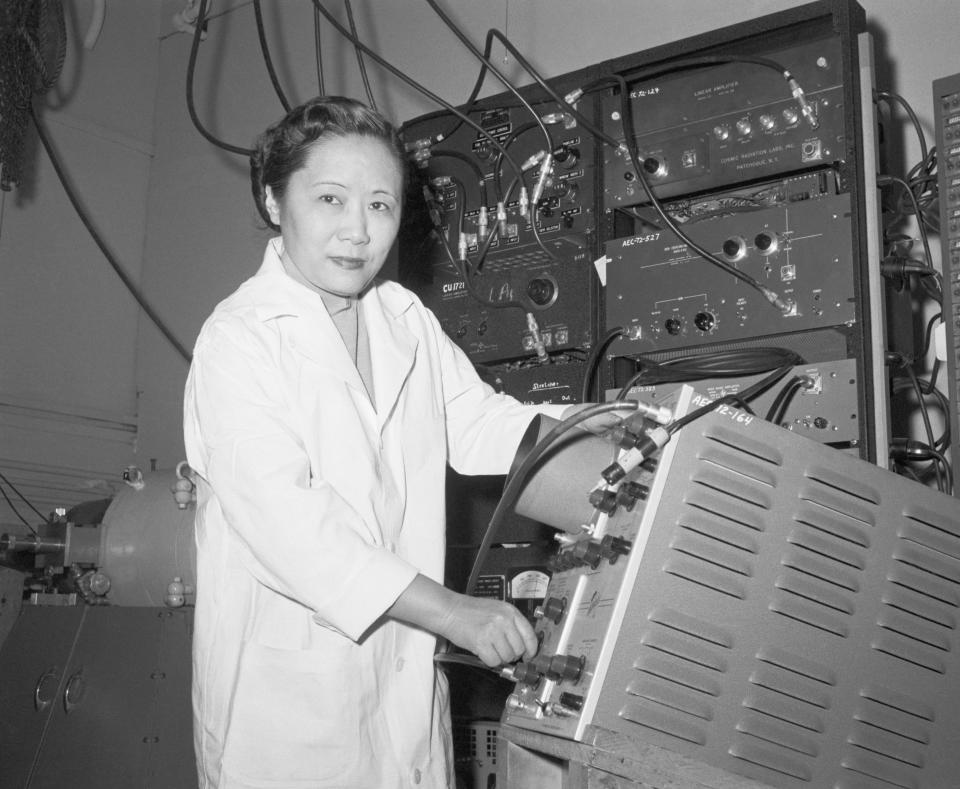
{"x": 340, "y": 214}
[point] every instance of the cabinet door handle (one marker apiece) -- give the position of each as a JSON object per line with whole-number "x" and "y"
{"x": 42, "y": 698}
{"x": 75, "y": 689}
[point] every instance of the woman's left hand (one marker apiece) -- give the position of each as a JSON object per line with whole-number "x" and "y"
{"x": 599, "y": 423}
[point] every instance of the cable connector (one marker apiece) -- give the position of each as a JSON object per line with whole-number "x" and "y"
{"x": 482, "y": 223}
{"x": 432, "y": 210}
{"x": 546, "y": 170}
{"x": 787, "y": 307}
{"x": 573, "y": 96}
{"x": 805, "y": 107}
{"x": 462, "y": 244}
{"x": 557, "y": 117}
{"x": 534, "y": 328}
{"x": 419, "y": 151}
{"x": 524, "y": 201}
{"x": 655, "y": 413}
{"x": 653, "y": 441}
{"x": 898, "y": 267}
{"x": 502, "y": 219}
{"x": 416, "y": 145}
{"x": 533, "y": 161}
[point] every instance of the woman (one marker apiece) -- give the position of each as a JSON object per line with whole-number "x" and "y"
{"x": 321, "y": 410}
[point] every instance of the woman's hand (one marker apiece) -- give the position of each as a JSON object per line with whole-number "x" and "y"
{"x": 599, "y": 423}
{"x": 494, "y": 631}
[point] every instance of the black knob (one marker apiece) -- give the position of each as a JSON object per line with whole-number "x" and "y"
{"x": 568, "y": 156}
{"x": 704, "y": 321}
{"x": 614, "y": 547}
{"x": 630, "y": 492}
{"x": 561, "y": 561}
{"x": 587, "y": 552}
{"x": 553, "y": 608}
{"x": 565, "y": 668}
{"x": 571, "y": 701}
{"x": 673, "y": 325}
{"x": 526, "y": 674}
{"x": 604, "y": 500}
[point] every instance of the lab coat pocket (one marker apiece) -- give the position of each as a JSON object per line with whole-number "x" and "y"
{"x": 293, "y": 718}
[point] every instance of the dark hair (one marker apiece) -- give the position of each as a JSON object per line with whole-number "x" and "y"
{"x": 283, "y": 148}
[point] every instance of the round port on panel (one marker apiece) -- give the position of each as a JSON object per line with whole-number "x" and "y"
{"x": 542, "y": 291}
{"x": 734, "y": 248}
{"x": 673, "y": 325}
{"x": 567, "y": 156}
{"x": 766, "y": 243}
{"x": 654, "y": 166}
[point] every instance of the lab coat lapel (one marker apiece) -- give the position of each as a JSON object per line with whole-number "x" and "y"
{"x": 315, "y": 336}
{"x": 393, "y": 349}
{"x": 308, "y": 328}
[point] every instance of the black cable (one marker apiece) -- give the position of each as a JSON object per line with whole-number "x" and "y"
{"x": 317, "y": 47}
{"x": 463, "y": 271}
{"x": 461, "y": 659}
{"x": 561, "y": 101}
{"x": 783, "y": 399}
{"x": 523, "y": 128}
{"x": 268, "y": 61}
{"x": 191, "y": 68}
{"x": 467, "y": 105}
{"x": 697, "y": 366}
{"x": 363, "y": 66}
{"x": 906, "y": 449}
{"x": 928, "y": 389}
{"x": 747, "y": 394}
{"x": 16, "y": 512}
{"x": 593, "y": 361}
{"x": 114, "y": 264}
{"x": 469, "y": 161}
{"x": 489, "y": 65}
{"x": 410, "y": 81}
{"x": 22, "y": 497}
{"x": 888, "y": 97}
{"x": 928, "y": 257}
{"x": 461, "y": 203}
{"x": 518, "y": 477}
{"x": 505, "y": 198}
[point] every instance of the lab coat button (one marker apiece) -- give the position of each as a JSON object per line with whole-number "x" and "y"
{"x": 399, "y": 664}
{"x": 416, "y": 776}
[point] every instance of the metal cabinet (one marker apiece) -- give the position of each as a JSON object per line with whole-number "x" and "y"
{"x": 97, "y": 696}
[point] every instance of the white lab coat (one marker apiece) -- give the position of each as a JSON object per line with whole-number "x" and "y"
{"x": 315, "y": 511}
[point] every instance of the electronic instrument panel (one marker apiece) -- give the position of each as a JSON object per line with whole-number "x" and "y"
{"x": 753, "y": 600}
